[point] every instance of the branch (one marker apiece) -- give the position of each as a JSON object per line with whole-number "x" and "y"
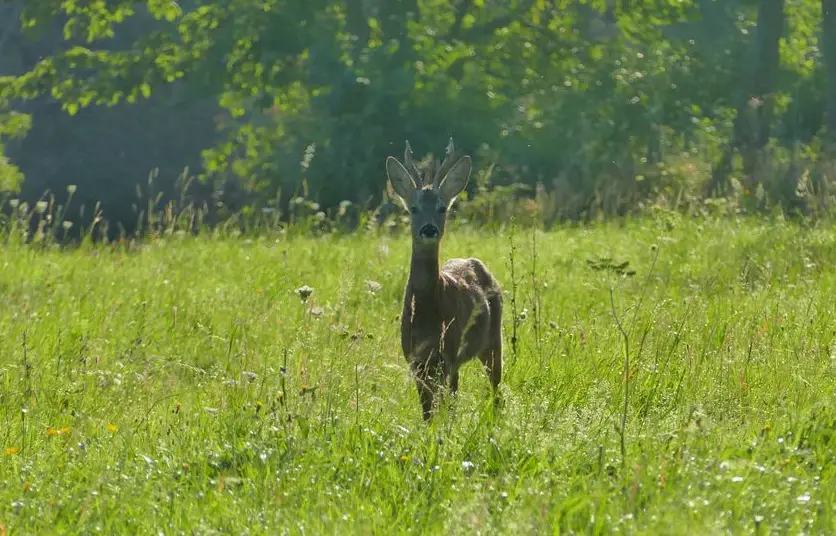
{"x": 457, "y": 24}
{"x": 476, "y": 32}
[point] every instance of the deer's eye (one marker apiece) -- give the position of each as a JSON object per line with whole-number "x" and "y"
{"x": 413, "y": 210}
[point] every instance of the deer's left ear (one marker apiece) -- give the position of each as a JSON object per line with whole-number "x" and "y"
{"x": 456, "y": 180}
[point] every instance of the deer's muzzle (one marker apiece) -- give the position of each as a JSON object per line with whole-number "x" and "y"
{"x": 429, "y": 232}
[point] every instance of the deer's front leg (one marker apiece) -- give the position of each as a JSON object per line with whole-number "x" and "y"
{"x": 428, "y": 378}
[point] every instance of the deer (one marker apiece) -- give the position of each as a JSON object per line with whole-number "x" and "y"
{"x": 452, "y": 313}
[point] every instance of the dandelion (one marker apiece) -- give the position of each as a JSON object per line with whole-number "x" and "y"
{"x": 58, "y": 431}
{"x": 304, "y": 292}
{"x": 9, "y": 451}
{"x": 111, "y": 427}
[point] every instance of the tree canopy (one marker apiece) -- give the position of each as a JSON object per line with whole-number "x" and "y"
{"x": 605, "y": 104}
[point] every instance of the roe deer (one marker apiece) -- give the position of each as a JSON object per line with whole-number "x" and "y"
{"x": 452, "y": 314}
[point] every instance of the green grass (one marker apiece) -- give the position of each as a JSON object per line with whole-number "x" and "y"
{"x": 168, "y": 389}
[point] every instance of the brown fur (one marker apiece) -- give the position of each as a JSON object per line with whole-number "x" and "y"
{"x": 453, "y": 313}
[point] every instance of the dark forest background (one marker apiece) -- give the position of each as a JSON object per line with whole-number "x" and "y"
{"x": 571, "y": 109}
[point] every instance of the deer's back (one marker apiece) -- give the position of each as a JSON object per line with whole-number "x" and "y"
{"x": 474, "y": 273}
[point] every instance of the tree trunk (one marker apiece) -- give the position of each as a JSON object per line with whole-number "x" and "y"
{"x": 828, "y": 8}
{"x": 754, "y": 113}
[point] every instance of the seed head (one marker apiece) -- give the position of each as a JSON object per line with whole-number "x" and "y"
{"x": 304, "y": 292}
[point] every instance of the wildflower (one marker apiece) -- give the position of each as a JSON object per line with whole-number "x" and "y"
{"x": 66, "y": 224}
{"x": 373, "y": 286}
{"x": 316, "y": 312}
{"x": 304, "y": 292}
{"x": 40, "y": 206}
{"x": 404, "y": 458}
{"x": 112, "y": 427}
{"x": 71, "y": 188}
{"x": 58, "y": 431}
{"x": 11, "y": 450}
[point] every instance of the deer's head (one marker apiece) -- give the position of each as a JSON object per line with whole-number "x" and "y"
{"x": 428, "y": 194}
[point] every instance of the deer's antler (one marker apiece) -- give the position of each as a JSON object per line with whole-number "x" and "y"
{"x": 446, "y": 164}
{"x": 410, "y": 165}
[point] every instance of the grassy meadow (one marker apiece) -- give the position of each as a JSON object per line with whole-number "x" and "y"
{"x": 184, "y": 387}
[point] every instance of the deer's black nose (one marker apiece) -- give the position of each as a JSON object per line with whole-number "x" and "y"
{"x": 429, "y": 231}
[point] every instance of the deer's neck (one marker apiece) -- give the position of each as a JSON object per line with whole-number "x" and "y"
{"x": 423, "y": 270}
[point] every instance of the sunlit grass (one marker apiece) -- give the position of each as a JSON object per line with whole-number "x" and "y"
{"x": 194, "y": 385}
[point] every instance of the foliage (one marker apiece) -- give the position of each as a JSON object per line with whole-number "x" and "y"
{"x": 596, "y": 100}
{"x": 182, "y": 385}
{"x": 12, "y": 125}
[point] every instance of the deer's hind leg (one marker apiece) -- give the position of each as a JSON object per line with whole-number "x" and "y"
{"x": 454, "y": 382}
{"x": 491, "y": 357}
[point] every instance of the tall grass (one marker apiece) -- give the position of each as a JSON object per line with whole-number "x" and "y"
{"x": 188, "y": 385}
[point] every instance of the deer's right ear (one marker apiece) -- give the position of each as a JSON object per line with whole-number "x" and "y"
{"x": 399, "y": 178}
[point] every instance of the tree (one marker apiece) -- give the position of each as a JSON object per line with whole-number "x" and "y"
{"x": 603, "y": 103}
{"x": 755, "y": 109}
{"x": 828, "y": 8}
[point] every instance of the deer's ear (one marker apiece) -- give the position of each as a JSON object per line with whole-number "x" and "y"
{"x": 399, "y": 178}
{"x": 456, "y": 179}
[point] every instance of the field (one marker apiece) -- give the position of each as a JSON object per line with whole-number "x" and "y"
{"x": 183, "y": 386}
